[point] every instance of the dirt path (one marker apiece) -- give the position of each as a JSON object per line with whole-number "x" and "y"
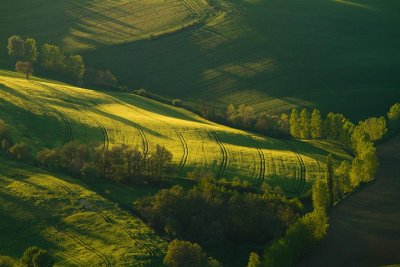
{"x": 365, "y": 228}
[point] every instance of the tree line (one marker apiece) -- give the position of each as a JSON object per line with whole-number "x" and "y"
{"x": 53, "y": 59}
{"x": 120, "y": 163}
{"x": 32, "y": 257}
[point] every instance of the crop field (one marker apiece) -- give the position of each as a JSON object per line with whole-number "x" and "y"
{"x": 90, "y": 24}
{"x": 273, "y": 55}
{"x": 79, "y": 227}
{"x": 33, "y": 107}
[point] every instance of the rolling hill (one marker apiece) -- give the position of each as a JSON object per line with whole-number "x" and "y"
{"x": 77, "y": 226}
{"x": 47, "y": 114}
{"x": 273, "y": 55}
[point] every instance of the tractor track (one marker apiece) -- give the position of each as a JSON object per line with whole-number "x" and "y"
{"x": 224, "y": 152}
{"x": 261, "y": 175}
{"x": 107, "y": 219}
{"x": 303, "y": 169}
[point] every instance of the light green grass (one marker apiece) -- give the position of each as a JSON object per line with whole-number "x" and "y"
{"x": 76, "y": 225}
{"x": 46, "y": 114}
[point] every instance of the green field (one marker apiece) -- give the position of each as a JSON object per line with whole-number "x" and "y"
{"x": 46, "y": 114}
{"x": 78, "y": 227}
{"x": 273, "y": 55}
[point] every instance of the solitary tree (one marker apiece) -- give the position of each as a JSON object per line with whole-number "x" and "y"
{"x": 16, "y": 47}
{"x": 295, "y": 124}
{"x": 320, "y": 195}
{"x": 31, "y": 53}
{"x": 24, "y": 67}
{"x": 305, "y": 124}
{"x": 316, "y": 124}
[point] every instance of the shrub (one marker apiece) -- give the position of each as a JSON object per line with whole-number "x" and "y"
{"x": 21, "y": 152}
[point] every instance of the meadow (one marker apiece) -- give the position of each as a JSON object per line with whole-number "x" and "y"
{"x": 77, "y": 226}
{"x": 273, "y": 55}
{"x": 44, "y": 114}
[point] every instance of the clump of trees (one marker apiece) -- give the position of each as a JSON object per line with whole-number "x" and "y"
{"x": 212, "y": 214}
{"x": 123, "y": 163}
{"x": 53, "y": 59}
{"x": 101, "y": 78}
{"x": 37, "y": 257}
{"x": 187, "y": 254}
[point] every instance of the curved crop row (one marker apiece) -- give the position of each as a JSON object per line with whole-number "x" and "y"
{"x": 261, "y": 175}
{"x": 224, "y": 154}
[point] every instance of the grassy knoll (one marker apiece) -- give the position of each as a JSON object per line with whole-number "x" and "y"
{"x": 79, "y": 227}
{"x": 45, "y": 114}
{"x": 273, "y": 55}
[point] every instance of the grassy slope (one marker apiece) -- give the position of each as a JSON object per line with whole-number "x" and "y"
{"x": 79, "y": 227}
{"x": 46, "y": 114}
{"x": 271, "y": 54}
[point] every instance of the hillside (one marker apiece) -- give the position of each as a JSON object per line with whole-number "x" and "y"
{"x": 33, "y": 107}
{"x": 273, "y": 55}
{"x": 365, "y": 227}
{"x": 79, "y": 227}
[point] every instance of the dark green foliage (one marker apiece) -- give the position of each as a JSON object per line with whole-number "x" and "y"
{"x": 75, "y": 67}
{"x": 210, "y": 214}
{"x": 16, "y": 47}
{"x": 101, "y": 78}
{"x": 20, "y": 152}
{"x": 316, "y": 124}
{"x": 36, "y": 257}
{"x": 320, "y": 195}
{"x": 330, "y": 180}
{"x": 31, "y": 54}
{"x": 184, "y": 254}
{"x": 299, "y": 239}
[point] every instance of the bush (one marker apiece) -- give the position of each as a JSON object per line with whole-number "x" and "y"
{"x": 21, "y": 152}
{"x": 89, "y": 171}
{"x": 177, "y": 102}
{"x": 37, "y": 257}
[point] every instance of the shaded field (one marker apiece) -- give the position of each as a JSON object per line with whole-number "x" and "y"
{"x": 365, "y": 229}
{"x": 79, "y": 227}
{"x": 273, "y": 55}
{"x": 45, "y": 114}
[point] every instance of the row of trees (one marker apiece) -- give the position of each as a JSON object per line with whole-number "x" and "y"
{"x": 123, "y": 163}
{"x": 53, "y": 59}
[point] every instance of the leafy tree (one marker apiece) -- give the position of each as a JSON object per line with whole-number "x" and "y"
{"x": 295, "y": 124}
{"x": 330, "y": 180}
{"x": 184, "y": 254}
{"x": 342, "y": 173}
{"x": 76, "y": 67}
{"x": 21, "y": 152}
{"x": 16, "y": 47}
{"x": 24, "y": 67}
{"x": 316, "y": 124}
{"x": 320, "y": 195}
{"x": 364, "y": 165}
{"x": 374, "y": 127}
{"x": 230, "y": 113}
{"x": 394, "y": 117}
{"x": 53, "y": 58}
{"x": 31, "y": 53}
{"x": 254, "y": 260}
{"x": 36, "y": 257}
{"x": 284, "y": 124}
{"x": 305, "y": 129}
